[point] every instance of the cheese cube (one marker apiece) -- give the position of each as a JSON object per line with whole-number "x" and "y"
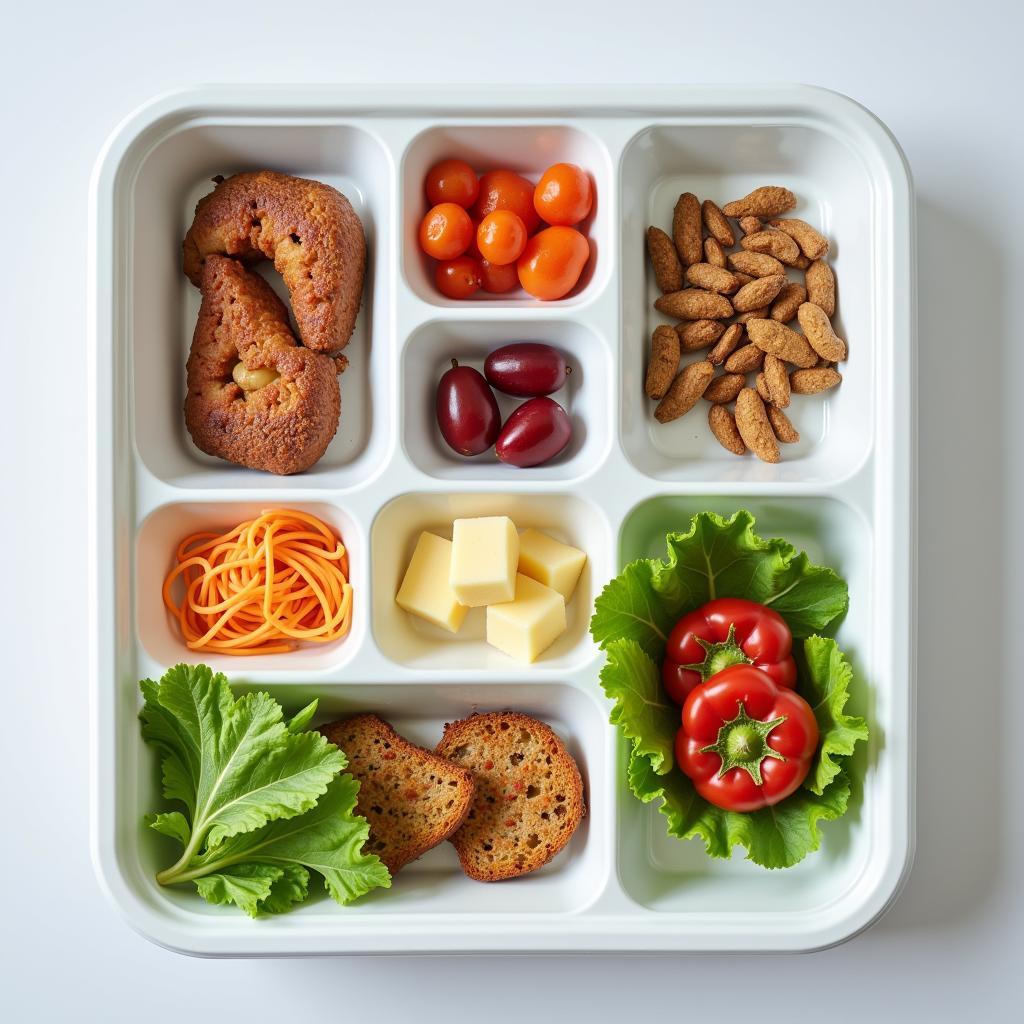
{"x": 528, "y": 625}
{"x": 425, "y": 590}
{"x": 485, "y": 553}
{"x": 550, "y": 562}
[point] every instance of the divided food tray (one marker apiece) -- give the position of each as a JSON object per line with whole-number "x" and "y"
{"x": 845, "y": 493}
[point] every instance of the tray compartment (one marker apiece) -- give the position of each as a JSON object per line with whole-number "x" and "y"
{"x": 410, "y": 642}
{"x": 836, "y": 194}
{"x": 528, "y": 149}
{"x": 164, "y": 304}
{"x": 586, "y": 396}
{"x": 435, "y": 883}
{"x": 667, "y": 874}
{"x": 158, "y": 633}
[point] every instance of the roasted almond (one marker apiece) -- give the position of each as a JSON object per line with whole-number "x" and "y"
{"x": 818, "y": 331}
{"x": 772, "y": 242}
{"x": 711, "y": 278}
{"x": 758, "y": 293}
{"x": 694, "y": 304}
{"x": 777, "y": 379}
{"x": 821, "y": 286}
{"x": 754, "y": 427}
{"x": 784, "y": 430}
{"x": 748, "y": 225}
{"x": 668, "y": 271}
{"x": 685, "y": 391}
{"x": 726, "y": 345}
{"x": 723, "y": 426}
{"x": 813, "y": 244}
{"x": 686, "y": 229}
{"x": 697, "y": 334}
{"x": 714, "y": 253}
{"x": 753, "y": 314}
{"x": 788, "y": 302}
{"x": 664, "y": 361}
{"x": 745, "y": 359}
{"x": 813, "y": 381}
{"x": 761, "y": 387}
{"x": 756, "y": 264}
{"x": 725, "y": 388}
{"x": 779, "y": 340}
{"x": 766, "y": 201}
{"x": 718, "y": 227}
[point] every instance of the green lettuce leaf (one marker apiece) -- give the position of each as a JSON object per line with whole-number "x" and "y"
{"x": 265, "y": 799}
{"x": 721, "y": 557}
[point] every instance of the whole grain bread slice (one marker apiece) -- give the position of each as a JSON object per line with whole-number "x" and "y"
{"x": 413, "y": 799}
{"x": 529, "y": 794}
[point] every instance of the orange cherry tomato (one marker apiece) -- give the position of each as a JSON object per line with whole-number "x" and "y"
{"x": 501, "y": 237}
{"x": 497, "y": 278}
{"x": 552, "y": 262}
{"x": 446, "y": 231}
{"x": 506, "y": 190}
{"x": 564, "y": 194}
{"x": 452, "y": 181}
{"x": 458, "y": 278}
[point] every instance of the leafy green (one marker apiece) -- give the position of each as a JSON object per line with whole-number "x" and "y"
{"x": 265, "y": 799}
{"x": 633, "y": 616}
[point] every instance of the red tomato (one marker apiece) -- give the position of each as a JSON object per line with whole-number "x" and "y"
{"x": 744, "y": 741}
{"x": 452, "y": 181}
{"x": 458, "y": 278}
{"x": 564, "y": 194}
{"x": 552, "y": 262}
{"x": 498, "y": 279}
{"x": 446, "y": 231}
{"x": 506, "y": 190}
{"x": 501, "y": 237}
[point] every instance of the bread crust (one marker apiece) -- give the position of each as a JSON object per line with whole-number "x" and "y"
{"x": 283, "y": 427}
{"x": 412, "y": 798}
{"x": 529, "y": 793}
{"x": 307, "y": 228}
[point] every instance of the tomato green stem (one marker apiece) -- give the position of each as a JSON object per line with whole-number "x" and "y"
{"x": 719, "y": 656}
{"x": 743, "y": 743}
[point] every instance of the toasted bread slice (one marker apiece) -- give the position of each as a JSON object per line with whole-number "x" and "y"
{"x": 529, "y": 794}
{"x": 412, "y": 799}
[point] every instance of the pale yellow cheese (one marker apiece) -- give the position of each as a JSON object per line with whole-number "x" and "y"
{"x": 528, "y": 625}
{"x": 550, "y": 562}
{"x": 485, "y": 553}
{"x": 425, "y": 590}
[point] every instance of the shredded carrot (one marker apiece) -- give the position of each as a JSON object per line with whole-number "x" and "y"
{"x": 264, "y": 587}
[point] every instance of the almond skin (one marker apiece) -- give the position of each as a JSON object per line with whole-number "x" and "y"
{"x": 694, "y": 304}
{"x": 754, "y": 314}
{"x": 754, "y": 427}
{"x": 697, "y": 334}
{"x": 664, "y": 361}
{"x": 711, "y": 278}
{"x": 821, "y": 287}
{"x": 784, "y": 430}
{"x": 668, "y": 271}
{"x": 818, "y": 331}
{"x": 777, "y": 380}
{"x": 766, "y": 201}
{"x": 714, "y": 253}
{"x": 814, "y": 381}
{"x": 725, "y": 388}
{"x": 745, "y": 359}
{"x": 761, "y": 387}
{"x": 686, "y": 229}
{"x": 772, "y": 242}
{"x": 718, "y": 227}
{"x": 801, "y": 262}
{"x": 788, "y": 301}
{"x": 748, "y": 225}
{"x": 756, "y": 264}
{"x": 813, "y": 244}
{"x": 758, "y": 293}
{"x": 726, "y": 345}
{"x": 723, "y": 426}
{"x": 685, "y": 391}
{"x": 780, "y": 341}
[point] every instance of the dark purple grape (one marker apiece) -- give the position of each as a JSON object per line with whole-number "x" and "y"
{"x": 534, "y": 434}
{"x": 526, "y": 369}
{"x": 467, "y": 412}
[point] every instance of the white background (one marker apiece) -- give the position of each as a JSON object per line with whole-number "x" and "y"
{"x": 946, "y": 77}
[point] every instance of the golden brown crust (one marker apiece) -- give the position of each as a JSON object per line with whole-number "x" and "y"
{"x": 412, "y": 798}
{"x": 283, "y": 427}
{"x": 529, "y": 794}
{"x": 307, "y": 228}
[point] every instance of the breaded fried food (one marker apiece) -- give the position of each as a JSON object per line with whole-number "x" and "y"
{"x": 255, "y": 397}
{"x": 307, "y": 228}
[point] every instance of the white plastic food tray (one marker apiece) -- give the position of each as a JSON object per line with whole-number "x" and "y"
{"x": 845, "y": 493}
